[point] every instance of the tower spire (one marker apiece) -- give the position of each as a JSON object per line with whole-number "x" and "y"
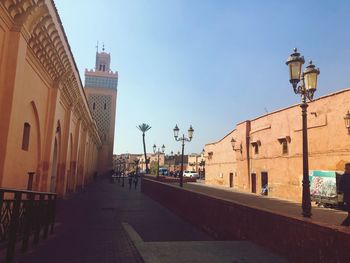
{"x": 101, "y": 91}
{"x": 97, "y": 47}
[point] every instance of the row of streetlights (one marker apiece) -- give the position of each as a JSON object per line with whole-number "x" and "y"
{"x": 308, "y": 85}
{"x": 307, "y": 88}
{"x": 183, "y": 139}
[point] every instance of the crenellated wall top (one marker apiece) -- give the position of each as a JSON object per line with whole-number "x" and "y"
{"x": 110, "y": 73}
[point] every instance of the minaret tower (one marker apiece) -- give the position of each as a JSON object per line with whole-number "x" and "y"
{"x": 101, "y": 92}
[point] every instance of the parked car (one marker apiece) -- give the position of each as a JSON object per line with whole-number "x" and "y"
{"x": 163, "y": 171}
{"x": 191, "y": 174}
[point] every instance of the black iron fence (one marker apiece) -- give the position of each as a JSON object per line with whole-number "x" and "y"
{"x": 25, "y": 216}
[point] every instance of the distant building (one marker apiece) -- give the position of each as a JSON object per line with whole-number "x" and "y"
{"x": 126, "y": 162}
{"x": 173, "y": 162}
{"x": 195, "y": 162}
{"x": 101, "y": 91}
{"x": 153, "y": 158}
{"x": 268, "y": 149}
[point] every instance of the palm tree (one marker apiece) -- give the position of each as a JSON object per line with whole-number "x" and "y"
{"x": 143, "y": 128}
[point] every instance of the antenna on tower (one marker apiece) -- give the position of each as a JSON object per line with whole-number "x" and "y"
{"x": 97, "y": 47}
{"x": 103, "y": 47}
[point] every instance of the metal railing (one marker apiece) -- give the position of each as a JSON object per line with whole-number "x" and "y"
{"x": 25, "y": 215}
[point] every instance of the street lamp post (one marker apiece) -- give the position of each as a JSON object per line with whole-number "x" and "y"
{"x": 202, "y": 165}
{"x": 172, "y": 163}
{"x": 158, "y": 152}
{"x": 347, "y": 121}
{"x": 306, "y": 89}
{"x": 183, "y": 139}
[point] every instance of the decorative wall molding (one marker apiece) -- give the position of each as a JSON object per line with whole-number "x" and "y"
{"x": 261, "y": 128}
{"x": 314, "y": 121}
{"x": 38, "y": 23}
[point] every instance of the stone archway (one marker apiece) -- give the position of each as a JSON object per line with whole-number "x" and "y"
{"x": 38, "y": 146}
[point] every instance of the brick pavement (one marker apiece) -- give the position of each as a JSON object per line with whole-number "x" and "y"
{"x": 90, "y": 229}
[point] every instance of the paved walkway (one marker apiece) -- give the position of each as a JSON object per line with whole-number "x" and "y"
{"x": 328, "y": 216}
{"x": 108, "y": 223}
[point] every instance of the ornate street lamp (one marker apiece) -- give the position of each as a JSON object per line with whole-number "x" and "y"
{"x": 158, "y": 152}
{"x": 183, "y": 139}
{"x": 306, "y": 89}
{"x": 347, "y": 121}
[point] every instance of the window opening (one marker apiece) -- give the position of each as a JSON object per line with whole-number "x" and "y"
{"x": 256, "y": 149}
{"x": 284, "y": 142}
{"x": 26, "y": 135}
{"x": 284, "y": 147}
{"x": 256, "y": 145}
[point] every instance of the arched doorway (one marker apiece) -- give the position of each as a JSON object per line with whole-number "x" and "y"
{"x": 54, "y": 168}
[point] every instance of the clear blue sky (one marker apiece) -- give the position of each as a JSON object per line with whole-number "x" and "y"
{"x": 207, "y": 63}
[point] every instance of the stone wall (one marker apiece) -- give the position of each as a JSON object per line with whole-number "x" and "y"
{"x": 296, "y": 239}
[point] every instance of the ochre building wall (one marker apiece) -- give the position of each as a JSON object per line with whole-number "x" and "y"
{"x": 220, "y": 162}
{"x": 329, "y": 147}
{"x": 40, "y": 87}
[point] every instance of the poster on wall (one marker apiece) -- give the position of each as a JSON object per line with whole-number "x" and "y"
{"x": 323, "y": 183}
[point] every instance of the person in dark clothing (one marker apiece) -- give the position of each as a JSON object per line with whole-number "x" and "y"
{"x": 344, "y": 186}
{"x": 130, "y": 176}
{"x": 136, "y": 179}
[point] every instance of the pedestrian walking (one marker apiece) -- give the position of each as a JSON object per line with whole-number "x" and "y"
{"x": 136, "y": 179}
{"x": 130, "y": 180}
{"x": 123, "y": 178}
{"x": 344, "y": 186}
